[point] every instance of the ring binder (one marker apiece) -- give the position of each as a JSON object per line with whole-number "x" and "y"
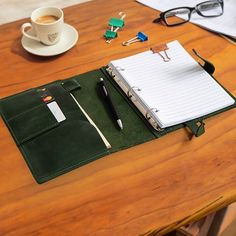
{"x": 169, "y": 88}
{"x": 114, "y": 73}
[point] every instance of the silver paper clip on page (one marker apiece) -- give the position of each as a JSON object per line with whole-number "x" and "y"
{"x": 140, "y": 37}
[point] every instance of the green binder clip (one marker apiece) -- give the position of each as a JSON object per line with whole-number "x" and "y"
{"x": 115, "y": 25}
{"x": 110, "y": 34}
{"x": 114, "y": 22}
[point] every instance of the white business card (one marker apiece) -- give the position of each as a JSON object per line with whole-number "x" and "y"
{"x": 56, "y": 111}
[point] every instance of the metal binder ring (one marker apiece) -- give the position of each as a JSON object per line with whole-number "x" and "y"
{"x": 134, "y": 88}
{"x": 148, "y": 115}
{"x": 113, "y": 74}
{"x": 110, "y": 71}
{"x": 159, "y": 129}
{"x": 120, "y": 68}
{"x": 129, "y": 94}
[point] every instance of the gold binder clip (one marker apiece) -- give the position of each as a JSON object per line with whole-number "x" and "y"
{"x": 159, "y": 48}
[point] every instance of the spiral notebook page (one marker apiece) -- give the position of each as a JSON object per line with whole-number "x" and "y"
{"x": 180, "y": 89}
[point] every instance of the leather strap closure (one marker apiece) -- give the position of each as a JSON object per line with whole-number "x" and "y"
{"x": 197, "y": 128}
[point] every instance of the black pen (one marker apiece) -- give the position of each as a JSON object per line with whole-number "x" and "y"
{"x": 110, "y": 103}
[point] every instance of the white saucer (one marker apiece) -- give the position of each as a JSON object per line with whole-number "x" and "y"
{"x": 68, "y": 39}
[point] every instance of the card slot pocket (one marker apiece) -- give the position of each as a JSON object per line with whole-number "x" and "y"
{"x": 31, "y": 123}
{"x": 16, "y": 104}
{"x": 62, "y": 149}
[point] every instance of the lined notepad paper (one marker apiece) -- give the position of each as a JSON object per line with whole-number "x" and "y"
{"x": 169, "y": 92}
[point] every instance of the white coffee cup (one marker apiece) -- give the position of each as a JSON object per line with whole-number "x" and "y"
{"x": 47, "y": 25}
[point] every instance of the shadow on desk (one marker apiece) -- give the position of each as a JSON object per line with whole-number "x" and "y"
{"x": 20, "y": 51}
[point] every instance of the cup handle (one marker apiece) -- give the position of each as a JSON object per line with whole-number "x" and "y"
{"x": 28, "y": 25}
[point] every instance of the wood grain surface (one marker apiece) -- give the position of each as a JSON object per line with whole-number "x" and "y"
{"x": 149, "y": 189}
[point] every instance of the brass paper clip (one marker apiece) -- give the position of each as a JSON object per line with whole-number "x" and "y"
{"x": 161, "y": 48}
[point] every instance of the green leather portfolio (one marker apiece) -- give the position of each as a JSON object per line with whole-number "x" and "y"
{"x": 55, "y": 136}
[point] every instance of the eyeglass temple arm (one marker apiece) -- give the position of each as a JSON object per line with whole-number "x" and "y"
{"x": 208, "y": 66}
{"x": 157, "y": 20}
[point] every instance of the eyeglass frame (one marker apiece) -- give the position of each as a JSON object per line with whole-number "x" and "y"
{"x": 191, "y": 9}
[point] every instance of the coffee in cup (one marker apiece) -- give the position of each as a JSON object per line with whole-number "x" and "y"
{"x": 47, "y": 24}
{"x": 47, "y": 19}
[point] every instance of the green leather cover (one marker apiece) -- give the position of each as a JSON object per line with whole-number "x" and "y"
{"x": 51, "y": 148}
{"x": 135, "y": 131}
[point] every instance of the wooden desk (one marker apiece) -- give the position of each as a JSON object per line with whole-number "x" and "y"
{"x": 150, "y": 188}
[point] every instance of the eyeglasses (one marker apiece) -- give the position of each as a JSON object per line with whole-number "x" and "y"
{"x": 181, "y": 15}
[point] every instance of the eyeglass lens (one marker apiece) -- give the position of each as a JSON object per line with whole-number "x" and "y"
{"x": 210, "y": 8}
{"x": 177, "y": 16}
{"x": 181, "y": 15}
